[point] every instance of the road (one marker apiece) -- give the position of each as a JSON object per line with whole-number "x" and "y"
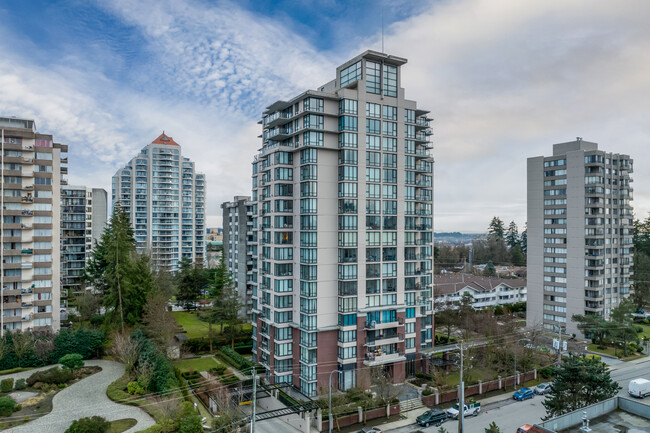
{"x": 510, "y": 414}
{"x": 84, "y": 399}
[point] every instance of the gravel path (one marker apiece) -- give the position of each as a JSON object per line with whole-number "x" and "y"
{"x": 83, "y": 399}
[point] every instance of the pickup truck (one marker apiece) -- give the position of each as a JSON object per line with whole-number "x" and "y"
{"x": 471, "y": 409}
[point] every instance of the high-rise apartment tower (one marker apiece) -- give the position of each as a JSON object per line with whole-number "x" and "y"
{"x": 165, "y": 198}
{"x": 83, "y": 219}
{"x": 579, "y": 234}
{"x": 32, "y": 168}
{"x": 343, "y": 230}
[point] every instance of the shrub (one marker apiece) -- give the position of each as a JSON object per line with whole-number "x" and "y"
{"x": 639, "y": 329}
{"x": 96, "y": 320}
{"x": 86, "y": 342}
{"x": 134, "y": 388}
{"x": 191, "y": 424}
{"x": 7, "y": 385}
{"x": 7, "y": 406}
{"x": 646, "y": 321}
{"x": 235, "y": 359}
{"x": 95, "y": 424}
{"x": 547, "y": 372}
{"x": 162, "y": 372}
{"x": 53, "y": 375}
{"x": 20, "y": 384}
{"x": 72, "y": 361}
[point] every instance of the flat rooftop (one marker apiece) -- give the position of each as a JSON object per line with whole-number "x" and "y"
{"x": 614, "y": 422}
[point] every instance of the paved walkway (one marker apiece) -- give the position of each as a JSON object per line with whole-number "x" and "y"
{"x": 84, "y": 399}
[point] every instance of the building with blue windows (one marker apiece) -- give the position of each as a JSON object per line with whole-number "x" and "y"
{"x": 340, "y": 241}
{"x": 165, "y": 198}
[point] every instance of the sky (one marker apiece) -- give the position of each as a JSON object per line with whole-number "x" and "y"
{"x": 503, "y": 79}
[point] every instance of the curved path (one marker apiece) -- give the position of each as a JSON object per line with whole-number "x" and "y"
{"x": 84, "y": 399}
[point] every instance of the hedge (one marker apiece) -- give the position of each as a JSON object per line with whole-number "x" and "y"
{"x": 235, "y": 359}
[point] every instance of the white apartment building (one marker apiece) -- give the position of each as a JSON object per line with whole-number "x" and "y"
{"x": 486, "y": 292}
{"x": 32, "y": 175}
{"x": 84, "y": 212}
{"x": 342, "y": 232}
{"x": 579, "y": 234}
{"x": 165, "y": 199}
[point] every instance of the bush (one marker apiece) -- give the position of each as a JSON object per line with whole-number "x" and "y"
{"x": 86, "y": 342}
{"x": 235, "y": 359}
{"x": 547, "y": 372}
{"x": 7, "y": 385}
{"x": 638, "y": 329}
{"x": 95, "y": 424}
{"x": 134, "y": 388}
{"x": 51, "y": 376}
{"x": 7, "y": 406}
{"x": 72, "y": 361}
{"x": 646, "y": 321}
{"x": 20, "y": 384}
{"x": 191, "y": 424}
{"x": 96, "y": 320}
{"x": 162, "y": 375}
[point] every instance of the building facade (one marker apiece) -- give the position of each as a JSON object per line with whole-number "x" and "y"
{"x": 237, "y": 224}
{"x": 32, "y": 175}
{"x": 165, "y": 198}
{"x": 579, "y": 234}
{"x": 342, "y": 230}
{"x": 486, "y": 292}
{"x": 83, "y": 219}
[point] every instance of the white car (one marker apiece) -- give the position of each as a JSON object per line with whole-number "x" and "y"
{"x": 542, "y": 388}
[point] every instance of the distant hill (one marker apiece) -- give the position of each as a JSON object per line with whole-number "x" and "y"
{"x": 457, "y": 237}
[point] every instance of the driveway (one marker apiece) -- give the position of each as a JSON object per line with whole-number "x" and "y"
{"x": 84, "y": 399}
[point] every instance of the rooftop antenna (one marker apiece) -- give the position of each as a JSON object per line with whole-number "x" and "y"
{"x": 382, "y": 26}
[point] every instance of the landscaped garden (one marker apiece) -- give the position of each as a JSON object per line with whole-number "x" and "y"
{"x": 194, "y": 327}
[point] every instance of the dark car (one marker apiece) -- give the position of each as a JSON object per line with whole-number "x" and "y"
{"x": 433, "y": 416}
{"x": 523, "y": 394}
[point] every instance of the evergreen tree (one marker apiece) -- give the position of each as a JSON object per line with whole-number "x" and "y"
{"x": 622, "y": 317}
{"x": 641, "y": 275}
{"x": 191, "y": 279}
{"x": 512, "y": 235}
{"x": 496, "y": 228}
{"x": 517, "y": 256}
{"x": 524, "y": 240}
{"x": 579, "y": 382}
{"x": 489, "y": 270}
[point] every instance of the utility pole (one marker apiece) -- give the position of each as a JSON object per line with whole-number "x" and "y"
{"x": 2, "y": 236}
{"x": 330, "y": 399}
{"x": 515, "y": 377}
{"x": 559, "y": 346}
{"x": 461, "y": 404}
{"x": 254, "y": 401}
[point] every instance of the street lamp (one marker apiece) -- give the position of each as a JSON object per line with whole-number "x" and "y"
{"x": 521, "y": 339}
{"x": 330, "y": 401}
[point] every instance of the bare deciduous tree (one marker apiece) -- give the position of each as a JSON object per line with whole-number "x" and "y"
{"x": 159, "y": 322}
{"x": 23, "y": 342}
{"x": 126, "y": 350}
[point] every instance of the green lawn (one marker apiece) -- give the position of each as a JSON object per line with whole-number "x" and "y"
{"x": 611, "y": 351}
{"x": 646, "y": 330}
{"x": 197, "y": 364}
{"x": 121, "y": 425}
{"x": 196, "y": 328}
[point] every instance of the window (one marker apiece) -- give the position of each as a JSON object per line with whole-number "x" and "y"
{"x": 373, "y": 207}
{"x": 309, "y": 189}
{"x": 373, "y": 239}
{"x": 308, "y": 205}
{"x": 347, "y": 172}
{"x": 349, "y": 123}
{"x": 282, "y": 286}
{"x": 389, "y": 191}
{"x": 373, "y": 175}
{"x": 348, "y": 106}
{"x": 348, "y": 206}
{"x": 308, "y": 255}
{"x": 390, "y": 80}
{"x": 390, "y": 160}
{"x": 308, "y": 239}
{"x": 347, "y": 320}
{"x": 390, "y": 128}
{"x": 308, "y": 156}
{"x": 373, "y": 142}
{"x": 373, "y": 190}
{"x": 282, "y": 173}
{"x": 390, "y": 207}
{"x": 373, "y": 78}
{"x": 283, "y": 349}
{"x": 348, "y": 239}
{"x": 389, "y": 144}
{"x": 348, "y": 139}
{"x": 373, "y": 110}
{"x": 351, "y": 74}
{"x": 347, "y": 305}
{"x": 373, "y": 159}
{"x": 348, "y": 156}
{"x": 373, "y": 126}
{"x": 389, "y": 112}
{"x": 284, "y": 158}
{"x": 43, "y": 156}
{"x": 409, "y": 131}
{"x": 348, "y": 272}
{"x": 283, "y": 253}
{"x": 347, "y": 336}
{"x": 42, "y": 181}
{"x": 308, "y": 172}
{"x": 389, "y": 238}
{"x": 313, "y": 138}
{"x": 313, "y": 121}
{"x": 348, "y": 222}
{"x": 409, "y": 116}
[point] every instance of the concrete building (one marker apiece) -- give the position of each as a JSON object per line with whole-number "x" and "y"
{"x": 32, "y": 174}
{"x": 165, "y": 198}
{"x": 342, "y": 230}
{"x": 579, "y": 233}
{"x": 83, "y": 219}
{"x": 486, "y": 292}
{"x": 236, "y": 223}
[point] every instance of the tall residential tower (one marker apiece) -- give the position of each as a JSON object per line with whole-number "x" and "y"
{"x": 342, "y": 230}
{"x": 579, "y": 234}
{"x": 165, "y": 198}
{"x": 32, "y": 168}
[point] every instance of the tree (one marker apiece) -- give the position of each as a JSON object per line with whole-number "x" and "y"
{"x": 517, "y": 256}
{"x": 641, "y": 275}
{"x": 191, "y": 280}
{"x": 496, "y": 229}
{"x": 512, "y": 235}
{"x": 446, "y": 318}
{"x": 490, "y": 270}
{"x": 23, "y": 342}
{"x": 126, "y": 350}
{"x": 160, "y": 325}
{"x": 595, "y": 326}
{"x": 579, "y": 382}
{"x": 382, "y": 383}
{"x": 492, "y": 428}
{"x": 622, "y": 318}
{"x": 95, "y": 424}
{"x": 88, "y": 305}
{"x": 523, "y": 240}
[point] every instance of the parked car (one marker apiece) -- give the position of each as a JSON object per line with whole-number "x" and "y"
{"x": 523, "y": 394}
{"x": 524, "y": 428}
{"x": 472, "y": 409}
{"x": 369, "y": 430}
{"x": 639, "y": 387}
{"x": 433, "y": 416}
{"x": 543, "y": 388}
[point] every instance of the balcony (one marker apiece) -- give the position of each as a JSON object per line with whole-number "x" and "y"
{"x": 373, "y": 358}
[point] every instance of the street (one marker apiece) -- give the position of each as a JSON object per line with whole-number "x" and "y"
{"x": 511, "y": 414}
